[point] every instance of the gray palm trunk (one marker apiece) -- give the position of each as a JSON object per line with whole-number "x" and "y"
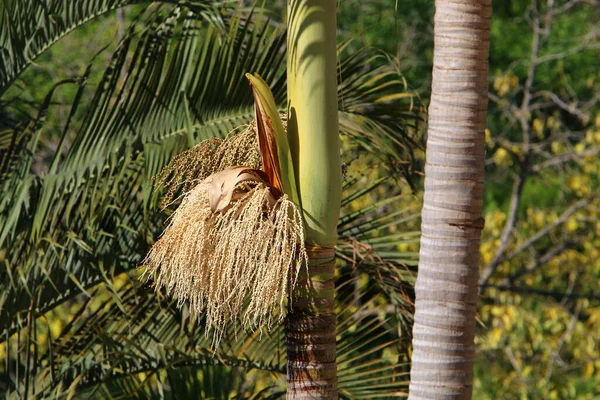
{"x": 446, "y": 287}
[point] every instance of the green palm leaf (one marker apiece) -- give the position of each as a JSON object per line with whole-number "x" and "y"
{"x": 67, "y": 232}
{"x": 96, "y": 201}
{"x": 377, "y": 111}
{"x": 111, "y": 345}
{"x": 124, "y": 331}
{"x": 29, "y": 27}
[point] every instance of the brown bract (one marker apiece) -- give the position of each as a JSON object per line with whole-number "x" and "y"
{"x": 232, "y": 184}
{"x": 267, "y": 144}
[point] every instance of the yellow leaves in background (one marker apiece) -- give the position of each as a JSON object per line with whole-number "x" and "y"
{"x": 580, "y": 185}
{"x": 487, "y": 251}
{"x": 550, "y": 330}
{"x": 572, "y": 225}
{"x": 538, "y": 128}
{"x": 537, "y": 218}
{"x": 553, "y": 123}
{"x": 503, "y": 158}
{"x": 588, "y": 370}
{"x": 502, "y": 320}
{"x": 494, "y": 222}
{"x": 493, "y": 337}
{"x": 504, "y": 84}
{"x": 557, "y": 147}
{"x": 489, "y": 141}
{"x": 592, "y": 136}
{"x": 527, "y": 335}
{"x": 579, "y": 148}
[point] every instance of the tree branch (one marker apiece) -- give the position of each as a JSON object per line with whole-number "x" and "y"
{"x": 493, "y": 265}
{"x": 559, "y": 221}
{"x": 515, "y": 200}
{"x": 564, "y": 158}
{"x": 541, "y": 261}
{"x": 548, "y": 293}
{"x": 571, "y": 109}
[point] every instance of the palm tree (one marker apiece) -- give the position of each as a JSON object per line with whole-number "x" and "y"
{"x": 72, "y": 235}
{"x": 313, "y": 127}
{"x": 446, "y": 288}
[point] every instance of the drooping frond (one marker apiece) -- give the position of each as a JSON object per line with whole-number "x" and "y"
{"x": 150, "y": 335}
{"x": 377, "y": 111}
{"x": 29, "y": 27}
{"x": 96, "y": 202}
{"x": 70, "y": 227}
{"x": 379, "y": 241}
{"x": 125, "y": 330}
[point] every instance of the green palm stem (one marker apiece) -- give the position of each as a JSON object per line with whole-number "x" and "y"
{"x": 313, "y": 134}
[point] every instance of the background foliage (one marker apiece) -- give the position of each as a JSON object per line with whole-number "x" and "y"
{"x": 540, "y": 258}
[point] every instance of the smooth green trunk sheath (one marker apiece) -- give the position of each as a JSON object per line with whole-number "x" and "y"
{"x": 314, "y": 141}
{"x": 313, "y": 115}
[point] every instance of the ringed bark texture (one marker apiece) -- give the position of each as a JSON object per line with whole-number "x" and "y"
{"x": 446, "y": 287}
{"x": 310, "y": 331}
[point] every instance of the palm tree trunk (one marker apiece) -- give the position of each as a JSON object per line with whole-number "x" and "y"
{"x": 310, "y": 331}
{"x": 313, "y": 134}
{"x": 446, "y": 288}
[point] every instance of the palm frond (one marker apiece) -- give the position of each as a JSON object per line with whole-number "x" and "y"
{"x": 140, "y": 334}
{"x": 124, "y": 332}
{"x": 91, "y": 215}
{"x": 29, "y": 27}
{"x": 82, "y": 210}
{"x": 371, "y": 240}
{"x": 378, "y": 112}
{"x": 70, "y": 228}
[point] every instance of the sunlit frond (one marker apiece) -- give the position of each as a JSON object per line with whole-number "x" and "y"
{"x": 72, "y": 231}
{"x": 29, "y": 27}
